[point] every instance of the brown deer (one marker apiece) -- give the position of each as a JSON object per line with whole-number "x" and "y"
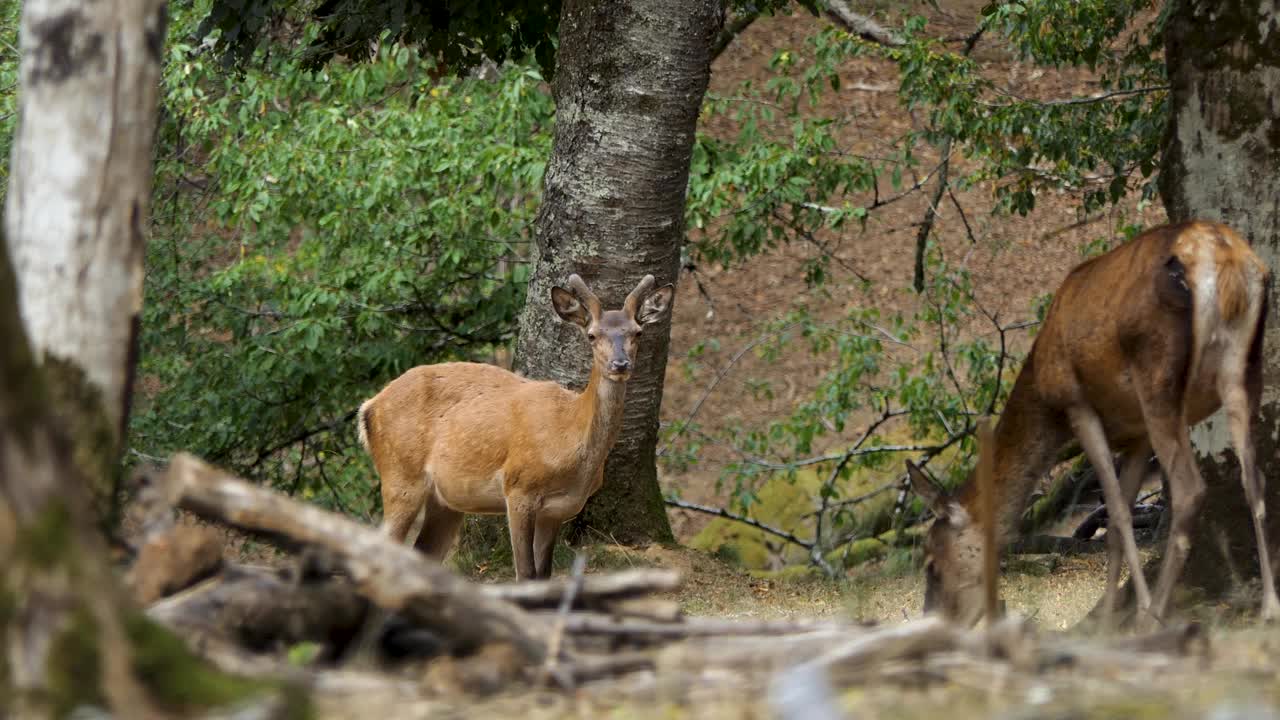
{"x": 1139, "y": 344}
{"x": 472, "y": 438}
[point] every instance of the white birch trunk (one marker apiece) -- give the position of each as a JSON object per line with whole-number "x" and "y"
{"x": 81, "y": 182}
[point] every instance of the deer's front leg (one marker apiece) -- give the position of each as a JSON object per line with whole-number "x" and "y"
{"x": 520, "y": 519}
{"x": 1088, "y": 429}
{"x": 1131, "y": 473}
{"x": 544, "y": 542}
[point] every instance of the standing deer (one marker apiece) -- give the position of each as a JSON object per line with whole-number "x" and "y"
{"x": 1139, "y": 344}
{"x": 473, "y": 438}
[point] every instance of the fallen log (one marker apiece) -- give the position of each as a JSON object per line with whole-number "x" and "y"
{"x": 390, "y": 575}
{"x": 262, "y": 611}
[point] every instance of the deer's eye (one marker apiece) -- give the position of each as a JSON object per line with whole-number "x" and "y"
{"x": 591, "y": 336}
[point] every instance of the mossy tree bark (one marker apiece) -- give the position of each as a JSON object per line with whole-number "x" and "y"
{"x": 78, "y": 194}
{"x": 78, "y": 201}
{"x": 630, "y": 79}
{"x": 61, "y": 633}
{"x": 1222, "y": 149}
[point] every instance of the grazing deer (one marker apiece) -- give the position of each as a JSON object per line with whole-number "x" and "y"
{"x": 473, "y": 438}
{"x": 1139, "y": 344}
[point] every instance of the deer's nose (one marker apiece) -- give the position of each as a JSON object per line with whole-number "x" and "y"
{"x": 618, "y": 366}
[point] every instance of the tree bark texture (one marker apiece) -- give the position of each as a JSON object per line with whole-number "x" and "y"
{"x": 1220, "y": 162}
{"x": 78, "y": 201}
{"x": 630, "y": 79}
{"x": 81, "y": 175}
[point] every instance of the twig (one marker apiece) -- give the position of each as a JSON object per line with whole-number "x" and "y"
{"x": 724, "y": 371}
{"x": 721, "y": 512}
{"x": 931, "y": 212}
{"x": 551, "y": 667}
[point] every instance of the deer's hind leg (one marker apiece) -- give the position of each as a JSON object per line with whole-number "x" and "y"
{"x": 402, "y": 497}
{"x": 440, "y": 525}
{"x": 1241, "y": 393}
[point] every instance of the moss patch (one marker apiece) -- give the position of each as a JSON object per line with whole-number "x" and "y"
{"x": 43, "y": 543}
{"x": 177, "y": 679}
{"x": 75, "y": 665}
{"x": 78, "y": 407}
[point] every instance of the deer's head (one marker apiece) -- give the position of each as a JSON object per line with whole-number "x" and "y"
{"x": 952, "y": 554}
{"x": 613, "y": 333}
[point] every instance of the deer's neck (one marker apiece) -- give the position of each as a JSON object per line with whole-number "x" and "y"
{"x": 600, "y": 412}
{"x": 1028, "y": 438}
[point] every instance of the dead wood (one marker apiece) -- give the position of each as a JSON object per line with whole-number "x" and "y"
{"x": 595, "y": 588}
{"x": 654, "y": 609}
{"x": 1144, "y": 516}
{"x": 745, "y": 654}
{"x": 592, "y": 623}
{"x": 390, "y": 575}
{"x": 173, "y": 560}
{"x": 1044, "y": 544}
{"x": 262, "y": 610}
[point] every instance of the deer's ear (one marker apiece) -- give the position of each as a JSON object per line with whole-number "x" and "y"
{"x": 935, "y": 497}
{"x": 568, "y": 307}
{"x": 656, "y": 305}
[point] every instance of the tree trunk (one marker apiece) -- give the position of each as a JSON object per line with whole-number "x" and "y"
{"x": 78, "y": 194}
{"x": 630, "y": 78}
{"x": 1222, "y": 148}
{"x": 77, "y": 205}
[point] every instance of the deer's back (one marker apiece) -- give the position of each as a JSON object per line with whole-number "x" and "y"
{"x": 462, "y": 415}
{"x": 1174, "y": 300}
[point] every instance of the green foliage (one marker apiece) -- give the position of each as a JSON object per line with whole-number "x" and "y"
{"x": 8, "y": 86}
{"x": 458, "y": 35}
{"x": 318, "y": 232}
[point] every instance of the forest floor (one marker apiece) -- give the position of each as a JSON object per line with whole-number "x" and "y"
{"x": 1233, "y": 677}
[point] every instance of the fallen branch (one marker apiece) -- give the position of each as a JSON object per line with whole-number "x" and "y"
{"x": 588, "y": 623}
{"x": 595, "y": 588}
{"x": 1144, "y": 516}
{"x": 390, "y": 575}
{"x": 1045, "y": 544}
{"x": 259, "y": 610}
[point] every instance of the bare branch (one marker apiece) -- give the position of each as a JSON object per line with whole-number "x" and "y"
{"x": 721, "y": 512}
{"x": 839, "y": 12}
{"x": 731, "y": 30}
{"x": 716, "y": 381}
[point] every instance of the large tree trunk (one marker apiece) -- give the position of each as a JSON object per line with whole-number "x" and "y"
{"x": 630, "y": 78}
{"x": 77, "y": 205}
{"x": 1221, "y": 155}
{"x": 62, "y": 634}
{"x": 78, "y": 194}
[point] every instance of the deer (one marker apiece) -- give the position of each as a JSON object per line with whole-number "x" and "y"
{"x": 461, "y": 437}
{"x": 1139, "y": 344}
